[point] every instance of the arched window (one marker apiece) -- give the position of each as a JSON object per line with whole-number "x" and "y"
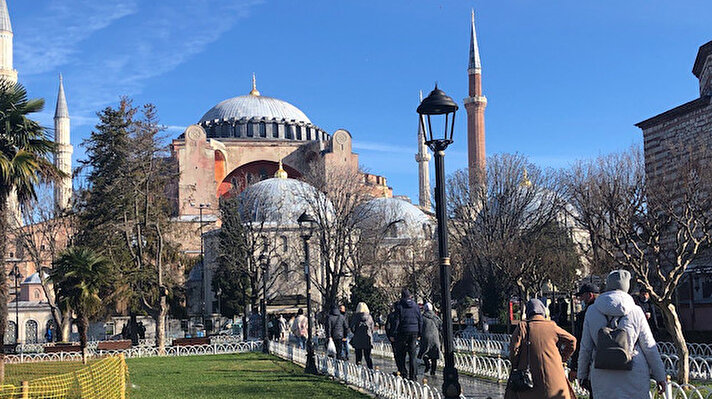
{"x": 36, "y": 294}
{"x": 11, "y": 333}
{"x": 31, "y": 332}
{"x": 299, "y": 132}
{"x": 275, "y": 130}
{"x": 283, "y": 243}
{"x": 250, "y": 129}
{"x": 263, "y": 129}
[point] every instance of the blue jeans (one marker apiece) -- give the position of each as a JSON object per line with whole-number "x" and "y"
{"x": 302, "y": 342}
{"x": 345, "y": 350}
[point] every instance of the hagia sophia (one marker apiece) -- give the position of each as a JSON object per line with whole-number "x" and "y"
{"x": 258, "y": 146}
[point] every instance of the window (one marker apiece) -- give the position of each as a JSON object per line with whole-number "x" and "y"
{"x": 283, "y": 243}
{"x": 275, "y": 131}
{"x": 263, "y": 129}
{"x": 299, "y": 132}
{"x": 36, "y": 294}
{"x": 11, "y": 333}
{"x": 31, "y": 332}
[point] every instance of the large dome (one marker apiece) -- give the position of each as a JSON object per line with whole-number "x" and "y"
{"x": 278, "y": 201}
{"x": 395, "y": 217}
{"x": 252, "y": 106}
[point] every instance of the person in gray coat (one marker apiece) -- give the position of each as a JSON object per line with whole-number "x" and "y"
{"x": 430, "y": 339}
{"x": 362, "y": 328}
{"x": 620, "y": 384}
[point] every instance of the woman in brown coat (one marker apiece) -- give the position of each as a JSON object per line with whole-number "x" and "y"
{"x": 547, "y": 361}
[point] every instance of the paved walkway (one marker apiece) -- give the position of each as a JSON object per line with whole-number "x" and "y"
{"x": 472, "y": 387}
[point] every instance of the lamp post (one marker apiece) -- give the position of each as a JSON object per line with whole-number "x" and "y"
{"x": 306, "y": 226}
{"x": 438, "y": 104}
{"x": 16, "y": 273}
{"x": 264, "y": 261}
{"x": 202, "y": 260}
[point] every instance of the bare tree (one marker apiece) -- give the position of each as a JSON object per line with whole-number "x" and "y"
{"x": 502, "y": 225}
{"x": 658, "y": 231}
{"x": 45, "y": 233}
{"x": 336, "y": 208}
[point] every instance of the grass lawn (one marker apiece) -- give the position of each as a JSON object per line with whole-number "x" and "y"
{"x": 243, "y": 376}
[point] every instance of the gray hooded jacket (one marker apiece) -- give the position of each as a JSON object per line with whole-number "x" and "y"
{"x": 647, "y": 364}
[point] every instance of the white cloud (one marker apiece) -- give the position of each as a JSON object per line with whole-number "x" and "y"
{"x": 109, "y": 49}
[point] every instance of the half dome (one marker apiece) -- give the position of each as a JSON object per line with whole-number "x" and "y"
{"x": 394, "y": 217}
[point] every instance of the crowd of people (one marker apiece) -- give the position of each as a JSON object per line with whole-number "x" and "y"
{"x": 617, "y": 353}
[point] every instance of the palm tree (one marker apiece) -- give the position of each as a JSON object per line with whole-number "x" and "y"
{"x": 79, "y": 275}
{"x": 25, "y": 161}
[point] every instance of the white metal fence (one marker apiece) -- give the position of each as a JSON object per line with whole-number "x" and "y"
{"x": 378, "y": 383}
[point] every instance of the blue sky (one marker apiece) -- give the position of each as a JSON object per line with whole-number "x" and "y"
{"x": 565, "y": 80}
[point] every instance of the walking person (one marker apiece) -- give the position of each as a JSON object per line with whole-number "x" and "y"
{"x": 283, "y": 329}
{"x": 337, "y": 329}
{"x": 392, "y": 335}
{"x": 643, "y": 300}
{"x": 616, "y": 310}
{"x": 408, "y": 325}
{"x": 362, "y": 327}
{"x": 587, "y": 294}
{"x": 345, "y": 346}
{"x": 535, "y": 345}
{"x": 300, "y": 329}
{"x": 430, "y": 339}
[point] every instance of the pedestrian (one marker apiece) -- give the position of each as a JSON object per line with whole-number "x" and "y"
{"x": 337, "y": 329}
{"x": 392, "y": 333}
{"x": 587, "y": 294}
{"x": 643, "y": 300}
{"x": 535, "y": 345}
{"x": 141, "y": 330}
{"x": 408, "y": 325}
{"x": 617, "y": 310}
{"x": 345, "y": 346}
{"x": 563, "y": 312}
{"x": 362, "y": 327}
{"x": 48, "y": 334}
{"x": 283, "y": 328}
{"x": 430, "y": 339}
{"x": 300, "y": 329}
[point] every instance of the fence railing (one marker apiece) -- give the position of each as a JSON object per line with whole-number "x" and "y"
{"x": 377, "y": 383}
{"x": 140, "y": 351}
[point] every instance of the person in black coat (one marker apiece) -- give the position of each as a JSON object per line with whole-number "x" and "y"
{"x": 408, "y": 326}
{"x": 337, "y": 329}
{"x": 587, "y": 295}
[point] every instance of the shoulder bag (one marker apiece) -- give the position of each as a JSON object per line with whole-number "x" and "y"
{"x": 521, "y": 379}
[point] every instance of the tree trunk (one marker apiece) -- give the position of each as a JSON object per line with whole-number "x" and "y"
{"x": 65, "y": 330}
{"x": 674, "y": 327}
{"x": 161, "y": 325}
{"x": 82, "y": 324}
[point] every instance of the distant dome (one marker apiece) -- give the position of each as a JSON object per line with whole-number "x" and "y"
{"x": 33, "y": 278}
{"x": 397, "y": 217}
{"x": 278, "y": 201}
{"x": 252, "y": 106}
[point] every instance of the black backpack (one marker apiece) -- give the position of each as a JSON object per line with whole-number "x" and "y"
{"x": 613, "y": 351}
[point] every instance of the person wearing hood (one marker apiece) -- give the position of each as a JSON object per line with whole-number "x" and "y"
{"x": 337, "y": 329}
{"x": 619, "y": 307}
{"x": 535, "y": 344}
{"x": 430, "y": 339}
{"x": 362, "y": 328}
{"x": 408, "y": 325}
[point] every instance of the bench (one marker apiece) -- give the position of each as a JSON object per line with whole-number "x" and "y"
{"x": 60, "y": 347}
{"x": 191, "y": 341}
{"x": 114, "y": 345}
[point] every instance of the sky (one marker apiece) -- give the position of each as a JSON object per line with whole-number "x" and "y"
{"x": 565, "y": 80}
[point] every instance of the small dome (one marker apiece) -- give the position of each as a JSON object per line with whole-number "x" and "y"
{"x": 254, "y": 106}
{"x": 33, "y": 278}
{"x": 397, "y": 217}
{"x": 278, "y": 200}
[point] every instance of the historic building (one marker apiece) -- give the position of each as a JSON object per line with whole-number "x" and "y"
{"x": 687, "y": 126}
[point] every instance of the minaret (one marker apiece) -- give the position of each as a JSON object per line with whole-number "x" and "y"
{"x": 8, "y": 73}
{"x": 6, "y": 69}
{"x": 475, "y": 105}
{"x": 422, "y": 158}
{"x": 63, "y": 157}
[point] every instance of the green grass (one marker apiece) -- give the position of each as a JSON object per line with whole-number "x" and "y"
{"x": 242, "y": 376}
{"x": 16, "y": 373}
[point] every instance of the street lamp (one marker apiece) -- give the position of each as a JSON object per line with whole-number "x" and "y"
{"x": 202, "y": 259}
{"x": 17, "y": 275}
{"x": 264, "y": 261}
{"x": 306, "y": 226}
{"x": 438, "y": 104}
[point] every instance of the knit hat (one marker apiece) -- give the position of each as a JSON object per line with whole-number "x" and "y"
{"x": 618, "y": 280}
